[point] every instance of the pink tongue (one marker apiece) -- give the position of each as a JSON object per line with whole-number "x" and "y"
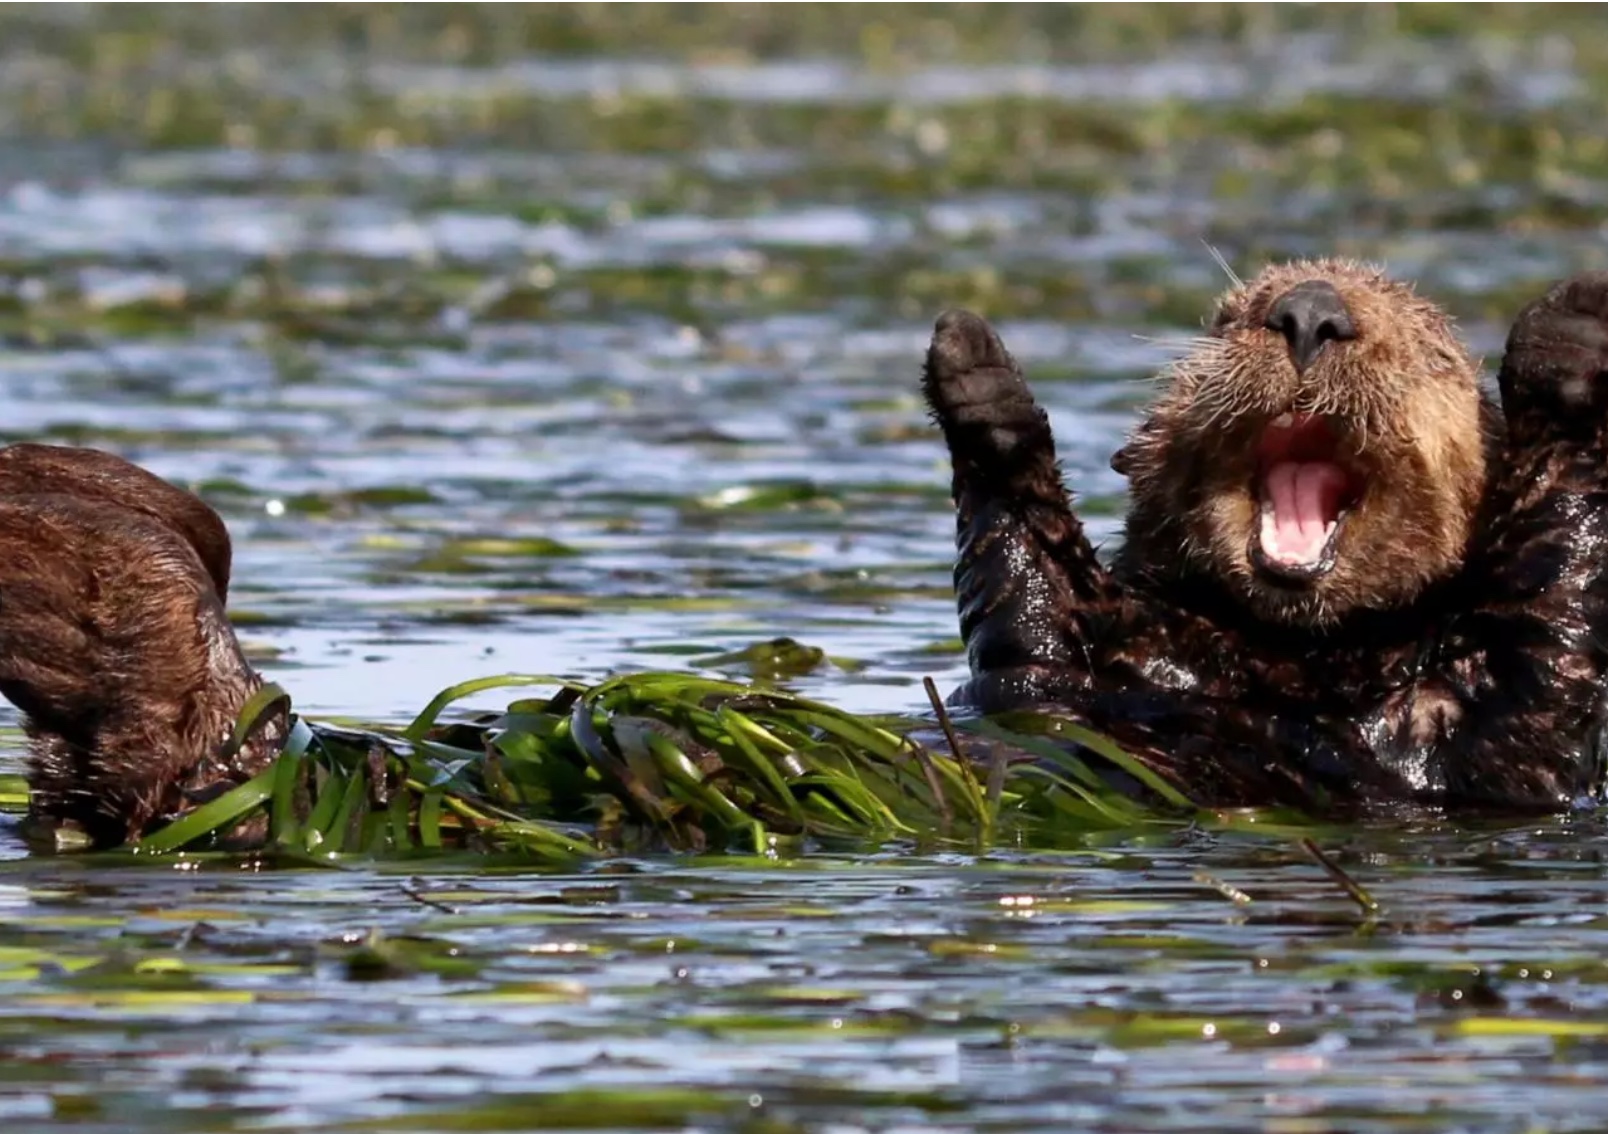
{"x": 1302, "y": 497}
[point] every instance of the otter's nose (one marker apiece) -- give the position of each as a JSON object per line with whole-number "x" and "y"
{"x": 1309, "y": 315}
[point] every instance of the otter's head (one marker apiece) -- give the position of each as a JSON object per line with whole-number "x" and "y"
{"x": 1321, "y": 451}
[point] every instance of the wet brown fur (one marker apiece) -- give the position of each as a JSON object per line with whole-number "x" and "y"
{"x": 93, "y": 475}
{"x": 114, "y": 642}
{"x": 1478, "y": 680}
{"x": 1410, "y": 415}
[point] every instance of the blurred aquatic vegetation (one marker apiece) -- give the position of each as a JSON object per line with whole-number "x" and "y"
{"x": 872, "y": 105}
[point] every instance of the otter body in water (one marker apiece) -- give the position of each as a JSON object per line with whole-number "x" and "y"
{"x": 1348, "y": 576}
{"x": 114, "y": 643}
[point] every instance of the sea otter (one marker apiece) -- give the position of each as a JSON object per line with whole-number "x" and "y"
{"x": 1341, "y": 561}
{"x": 114, "y": 643}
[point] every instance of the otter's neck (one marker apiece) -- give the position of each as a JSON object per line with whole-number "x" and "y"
{"x": 144, "y": 757}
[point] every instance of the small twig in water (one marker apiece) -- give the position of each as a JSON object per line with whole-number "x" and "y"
{"x": 1346, "y": 882}
{"x": 924, "y": 758}
{"x": 1228, "y": 890}
{"x": 997, "y": 765}
{"x": 942, "y": 714}
{"x": 412, "y": 891}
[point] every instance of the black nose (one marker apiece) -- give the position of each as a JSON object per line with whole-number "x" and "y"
{"x": 1309, "y": 315}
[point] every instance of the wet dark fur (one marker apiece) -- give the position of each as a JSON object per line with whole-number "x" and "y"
{"x": 1484, "y": 688}
{"x": 114, "y": 642}
{"x": 91, "y": 475}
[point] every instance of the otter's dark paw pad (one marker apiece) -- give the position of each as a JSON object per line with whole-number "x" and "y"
{"x": 1557, "y": 352}
{"x": 962, "y": 341}
{"x": 970, "y": 378}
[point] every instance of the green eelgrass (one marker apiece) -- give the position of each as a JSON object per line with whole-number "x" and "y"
{"x": 661, "y": 760}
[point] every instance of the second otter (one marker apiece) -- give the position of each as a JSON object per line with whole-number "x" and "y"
{"x": 115, "y": 645}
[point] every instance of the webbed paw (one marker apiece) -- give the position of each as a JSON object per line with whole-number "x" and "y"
{"x": 979, "y": 398}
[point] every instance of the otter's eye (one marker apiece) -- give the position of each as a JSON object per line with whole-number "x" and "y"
{"x": 1223, "y": 317}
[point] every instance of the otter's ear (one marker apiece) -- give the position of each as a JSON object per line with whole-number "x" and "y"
{"x": 1144, "y": 434}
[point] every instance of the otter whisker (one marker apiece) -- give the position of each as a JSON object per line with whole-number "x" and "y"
{"x": 1232, "y": 395}
{"x": 1189, "y": 342}
{"x": 1222, "y": 262}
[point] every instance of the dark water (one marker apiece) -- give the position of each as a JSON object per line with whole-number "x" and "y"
{"x": 598, "y": 352}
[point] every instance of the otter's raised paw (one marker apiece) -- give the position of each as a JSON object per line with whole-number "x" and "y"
{"x": 971, "y": 380}
{"x": 1555, "y": 372}
{"x": 994, "y": 430}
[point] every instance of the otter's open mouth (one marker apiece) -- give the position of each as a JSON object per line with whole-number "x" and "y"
{"x": 1304, "y": 493}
